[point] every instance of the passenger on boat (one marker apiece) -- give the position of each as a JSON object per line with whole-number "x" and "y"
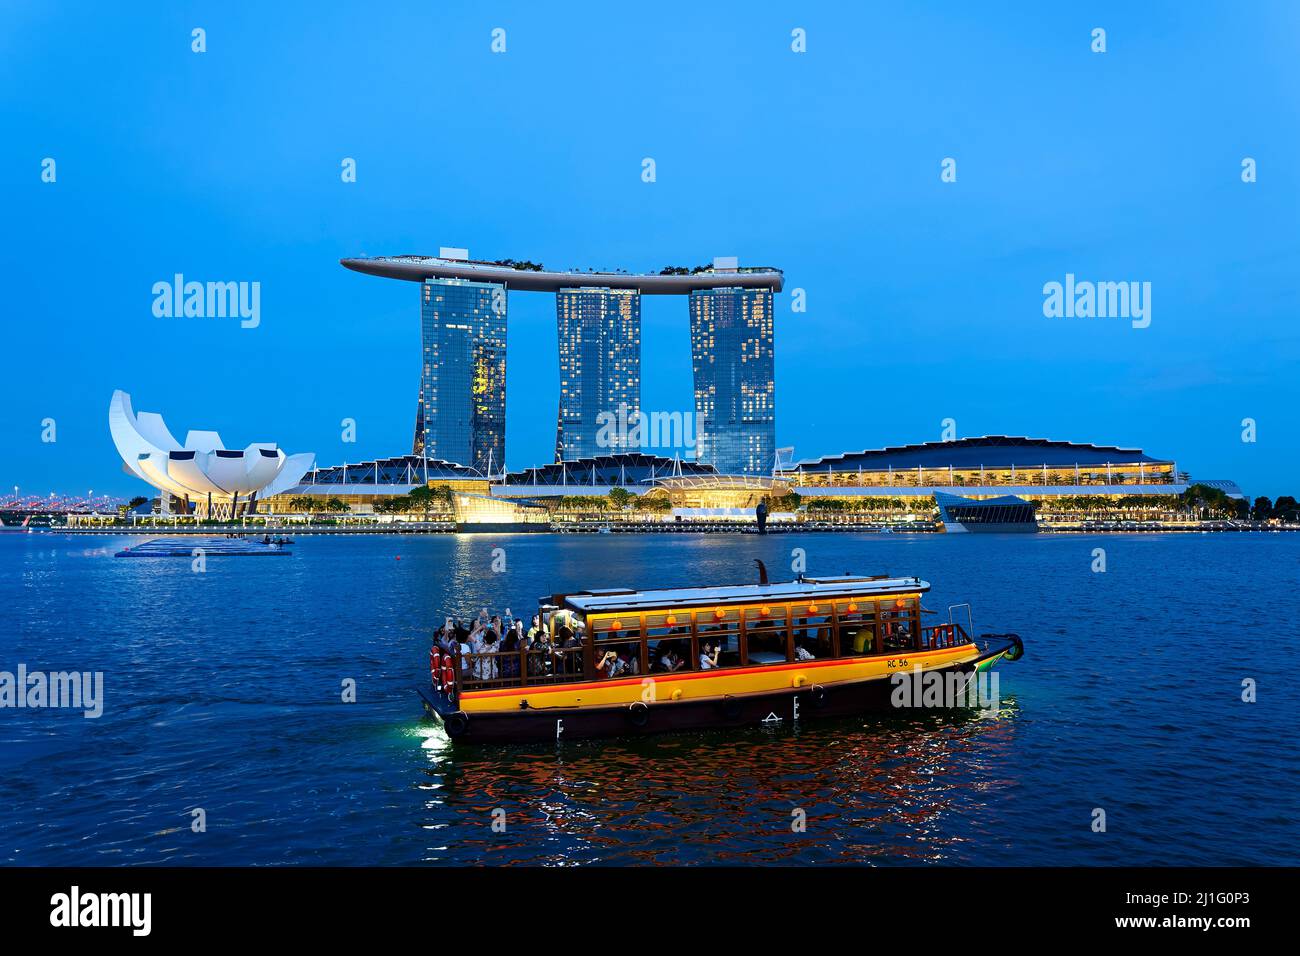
{"x": 510, "y": 663}
{"x": 485, "y": 666}
{"x": 502, "y": 626}
{"x": 802, "y": 653}
{"x": 667, "y": 656}
{"x": 625, "y": 662}
{"x": 604, "y": 667}
{"x": 709, "y": 656}
{"x": 443, "y": 635}
{"x": 569, "y": 652}
{"x": 541, "y": 656}
{"x": 898, "y": 637}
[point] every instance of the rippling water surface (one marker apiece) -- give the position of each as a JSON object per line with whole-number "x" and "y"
{"x": 223, "y": 692}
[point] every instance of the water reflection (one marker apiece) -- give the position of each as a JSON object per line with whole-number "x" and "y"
{"x": 869, "y": 790}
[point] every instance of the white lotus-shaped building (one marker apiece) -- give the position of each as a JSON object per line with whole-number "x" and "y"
{"x": 202, "y": 472}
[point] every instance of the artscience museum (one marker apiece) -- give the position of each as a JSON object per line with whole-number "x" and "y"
{"x": 200, "y": 476}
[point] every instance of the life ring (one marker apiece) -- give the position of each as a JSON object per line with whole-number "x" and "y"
{"x": 456, "y": 724}
{"x": 638, "y": 713}
{"x": 817, "y": 695}
{"x": 1016, "y": 650}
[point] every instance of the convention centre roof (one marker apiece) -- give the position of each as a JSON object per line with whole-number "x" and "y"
{"x": 989, "y": 451}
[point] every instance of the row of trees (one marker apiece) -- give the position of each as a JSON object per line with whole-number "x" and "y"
{"x": 1284, "y": 509}
{"x": 683, "y": 271}
{"x": 421, "y": 499}
{"x": 309, "y": 505}
{"x": 618, "y": 499}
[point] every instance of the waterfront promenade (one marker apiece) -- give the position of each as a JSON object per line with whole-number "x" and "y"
{"x": 658, "y": 527}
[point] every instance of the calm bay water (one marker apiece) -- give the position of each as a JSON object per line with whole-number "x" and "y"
{"x": 223, "y": 691}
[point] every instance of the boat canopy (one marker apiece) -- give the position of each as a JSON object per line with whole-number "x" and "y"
{"x": 614, "y": 599}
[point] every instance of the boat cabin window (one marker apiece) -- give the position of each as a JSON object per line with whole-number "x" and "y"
{"x": 669, "y": 644}
{"x": 899, "y": 624}
{"x": 857, "y": 619}
{"x": 813, "y": 631}
{"x": 616, "y": 646}
{"x": 767, "y": 636}
{"x": 718, "y": 633}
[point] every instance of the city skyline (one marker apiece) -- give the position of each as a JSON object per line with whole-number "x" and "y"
{"x": 922, "y": 299}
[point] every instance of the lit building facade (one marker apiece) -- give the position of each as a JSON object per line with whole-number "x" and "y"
{"x": 462, "y": 408}
{"x": 600, "y": 368}
{"x": 735, "y": 384}
{"x": 988, "y": 466}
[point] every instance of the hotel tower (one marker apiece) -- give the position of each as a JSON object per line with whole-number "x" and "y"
{"x": 599, "y": 333}
{"x": 735, "y": 386}
{"x": 462, "y": 411}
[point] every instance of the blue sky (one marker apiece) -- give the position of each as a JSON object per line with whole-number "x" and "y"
{"x": 924, "y": 298}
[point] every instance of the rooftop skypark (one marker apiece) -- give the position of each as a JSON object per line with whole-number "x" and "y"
{"x": 525, "y": 276}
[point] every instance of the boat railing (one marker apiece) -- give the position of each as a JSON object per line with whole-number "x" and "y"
{"x": 554, "y": 665}
{"x": 538, "y": 665}
{"x": 942, "y": 636}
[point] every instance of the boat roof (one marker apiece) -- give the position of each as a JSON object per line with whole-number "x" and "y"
{"x": 598, "y": 601}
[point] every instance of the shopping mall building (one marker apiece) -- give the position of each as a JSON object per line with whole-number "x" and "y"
{"x": 904, "y": 478}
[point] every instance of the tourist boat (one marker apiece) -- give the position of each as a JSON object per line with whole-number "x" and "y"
{"x": 617, "y": 661}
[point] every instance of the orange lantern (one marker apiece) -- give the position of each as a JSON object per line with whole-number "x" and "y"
{"x": 719, "y": 614}
{"x": 616, "y": 625}
{"x": 764, "y": 611}
{"x": 812, "y": 608}
{"x": 670, "y": 620}
{"x": 900, "y": 603}
{"x": 853, "y": 608}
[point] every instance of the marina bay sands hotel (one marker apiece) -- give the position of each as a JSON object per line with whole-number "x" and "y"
{"x": 461, "y": 416}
